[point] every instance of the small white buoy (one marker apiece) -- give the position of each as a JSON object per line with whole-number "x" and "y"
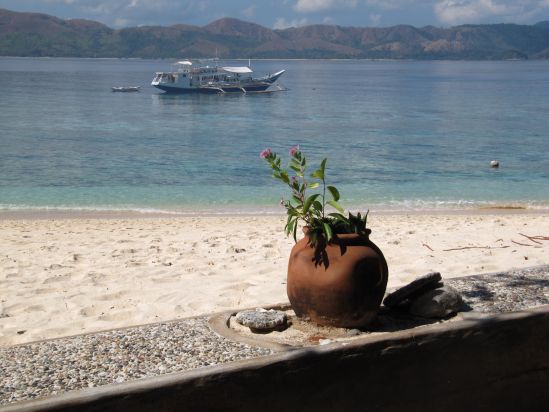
{"x": 494, "y": 163}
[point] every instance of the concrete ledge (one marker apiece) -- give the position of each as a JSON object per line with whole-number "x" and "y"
{"x": 495, "y": 363}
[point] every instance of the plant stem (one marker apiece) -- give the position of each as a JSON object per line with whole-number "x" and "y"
{"x": 323, "y": 196}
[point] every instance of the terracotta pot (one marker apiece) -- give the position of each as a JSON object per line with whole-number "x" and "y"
{"x": 341, "y": 284}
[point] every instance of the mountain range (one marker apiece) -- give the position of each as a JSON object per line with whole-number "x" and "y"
{"x": 35, "y": 34}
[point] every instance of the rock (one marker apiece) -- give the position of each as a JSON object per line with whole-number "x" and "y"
{"x": 437, "y": 303}
{"x": 261, "y": 320}
{"x": 418, "y": 286}
{"x": 353, "y": 332}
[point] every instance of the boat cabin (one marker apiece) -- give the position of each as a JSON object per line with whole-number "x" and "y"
{"x": 183, "y": 73}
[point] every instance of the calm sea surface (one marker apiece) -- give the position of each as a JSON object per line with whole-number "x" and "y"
{"x": 398, "y": 135}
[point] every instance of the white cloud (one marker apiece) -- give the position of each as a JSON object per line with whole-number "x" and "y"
{"x": 327, "y": 20}
{"x": 476, "y": 11}
{"x": 100, "y": 8}
{"x": 118, "y": 23}
{"x": 312, "y": 6}
{"x": 387, "y": 4}
{"x": 122, "y": 13}
{"x": 60, "y": 1}
{"x": 281, "y": 23}
{"x": 375, "y": 19}
{"x": 249, "y": 11}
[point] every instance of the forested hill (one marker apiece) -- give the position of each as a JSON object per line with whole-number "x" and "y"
{"x": 33, "y": 34}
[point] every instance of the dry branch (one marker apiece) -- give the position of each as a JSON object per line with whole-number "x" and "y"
{"x": 428, "y": 247}
{"x": 535, "y": 238}
{"x": 518, "y": 243}
{"x": 475, "y": 247}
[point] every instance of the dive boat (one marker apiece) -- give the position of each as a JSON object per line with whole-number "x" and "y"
{"x": 188, "y": 77}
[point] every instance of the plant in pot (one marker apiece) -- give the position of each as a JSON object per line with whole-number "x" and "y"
{"x": 336, "y": 275}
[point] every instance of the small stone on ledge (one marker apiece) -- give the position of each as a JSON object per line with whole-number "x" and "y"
{"x": 262, "y": 321}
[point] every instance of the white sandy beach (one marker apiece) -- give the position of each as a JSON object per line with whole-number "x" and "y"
{"x": 67, "y": 276}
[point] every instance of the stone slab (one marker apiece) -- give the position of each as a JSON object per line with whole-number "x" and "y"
{"x": 417, "y": 286}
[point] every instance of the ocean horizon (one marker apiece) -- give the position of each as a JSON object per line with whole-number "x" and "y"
{"x": 398, "y": 135}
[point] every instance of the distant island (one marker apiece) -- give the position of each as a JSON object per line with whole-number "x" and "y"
{"x": 34, "y": 34}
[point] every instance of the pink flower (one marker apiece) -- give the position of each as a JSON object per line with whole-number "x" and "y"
{"x": 265, "y": 153}
{"x": 294, "y": 150}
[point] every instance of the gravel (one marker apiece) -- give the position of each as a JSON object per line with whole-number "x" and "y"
{"x": 51, "y": 367}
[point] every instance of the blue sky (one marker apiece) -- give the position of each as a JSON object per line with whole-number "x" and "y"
{"x": 287, "y": 13}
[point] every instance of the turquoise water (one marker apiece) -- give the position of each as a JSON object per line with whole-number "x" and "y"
{"x": 398, "y": 135}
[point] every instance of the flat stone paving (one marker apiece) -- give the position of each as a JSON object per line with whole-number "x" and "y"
{"x": 40, "y": 369}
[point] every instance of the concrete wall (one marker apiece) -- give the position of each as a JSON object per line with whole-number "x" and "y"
{"x": 499, "y": 363}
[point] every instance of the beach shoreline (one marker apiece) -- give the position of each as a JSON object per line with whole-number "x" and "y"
{"x": 107, "y": 213}
{"x": 69, "y": 273}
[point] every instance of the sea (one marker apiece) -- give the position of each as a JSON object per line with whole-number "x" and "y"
{"x": 398, "y": 136}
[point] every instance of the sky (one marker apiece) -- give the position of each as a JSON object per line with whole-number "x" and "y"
{"x": 280, "y": 14}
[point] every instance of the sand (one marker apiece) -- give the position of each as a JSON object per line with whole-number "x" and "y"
{"x": 66, "y": 276}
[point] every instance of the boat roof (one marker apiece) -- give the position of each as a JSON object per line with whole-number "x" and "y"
{"x": 241, "y": 69}
{"x": 185, "y": 62}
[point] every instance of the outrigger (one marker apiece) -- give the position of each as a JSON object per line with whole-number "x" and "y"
{"x": 187, "y": 77}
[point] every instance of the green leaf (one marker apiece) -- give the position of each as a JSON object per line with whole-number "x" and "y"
{"x": 313, "y": 238}
{"x": 327, "y": 231}
{"x": 297, "y": 199}
{"x": 334, "y": 192}
{"x": 323, "y": 165}
{"x": 284, "y": 177}
{"x": 317, "y": 205}
{"x": 313, "y": 185}
{"x": 308, "y": 202}
{"x": 295, "y": 168}
{"x": 336, "y": 206}
{"x": 318, "y": 174}
{"x": 290, "y": 226}
{"x": 291, "y": 213}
